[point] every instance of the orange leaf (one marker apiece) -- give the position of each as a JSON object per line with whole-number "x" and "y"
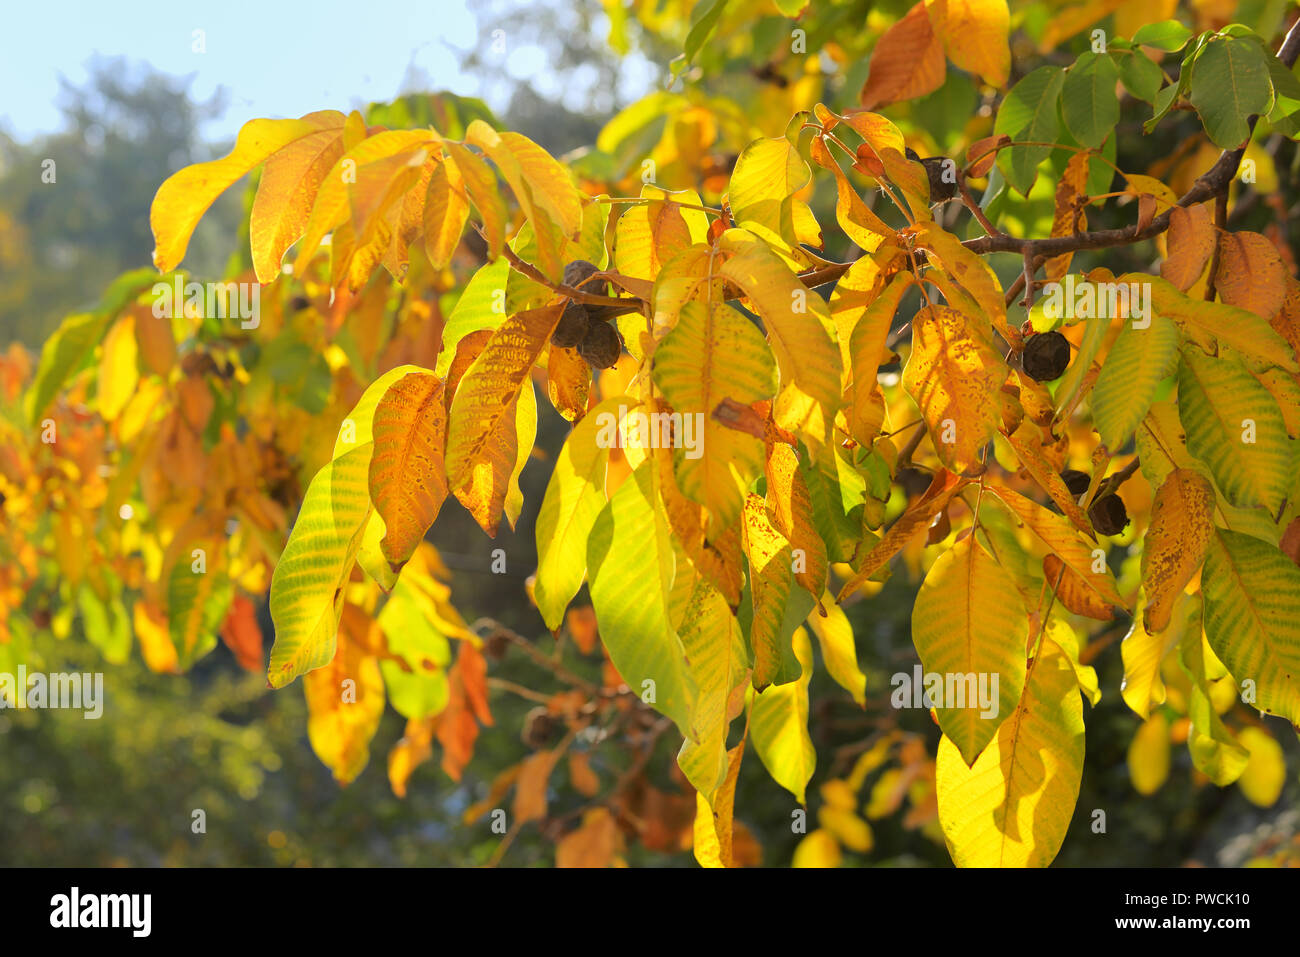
{"x": 408, "y": 480}
{"x": 906, "y": 63}
{"x": 242, "y": 635}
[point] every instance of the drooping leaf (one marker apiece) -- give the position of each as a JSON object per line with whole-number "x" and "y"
{"x": 574, "y": 497}
{"x": 778, "y": 726}
{"x": 1235, "y": 427}
{"x": 964, "y": 625}
{"x": 1252, "y": 604}
{"x": 631, "y": 567}
{"x": 954, "y": 375}
{"x": 1182, "y": 521}
{"x": 1013, "y": 806}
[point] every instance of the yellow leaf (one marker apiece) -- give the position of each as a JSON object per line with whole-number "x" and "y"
{"x": 835, "y": 636}
{"x": 568, "y": 382}
{"x": 369, "y": 168}
{"x": 1013, "y": 807}
{"x": 817, "y": 849}
{"x": 1265, "y": 775}
{"x": 1056, "y": 533}
{"x": 975, "y": 38}
{"x": 954, "y": 375}
{"x": 714, "y": 353}
{"x": 717, "y": 666}
{"x": 649, "y": 235}
{"x": 768, "y": 552}
{"x": 185, "y": 196}
{"x": 714, "y": 830}
{"x": 857, "y": 220}
{"x": 541, "y": 185}
{"x": 778, "y": 725}
{"x": 446, "y": 208}
{"x": 788, "y": 498}
{"x": 799, "y": 330}
{"x": 966, "y": 627}
{"x": 1148, "y": 755}
{"x": 482, "y": 188}
{"x": 345, "y": 700}
{"x": 974, "y": 275}
{"x": 1235, "y": 427}
{"x": 118, "y": 374}
{"x": 767, "y": 174}
{"x": 155, "y": 643}
{"x": 287, "y": 190}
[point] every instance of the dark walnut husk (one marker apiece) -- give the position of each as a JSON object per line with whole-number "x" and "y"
{"x": 578, "y": 272}
{"x": 601, "y": 346}
{"x": 1108, "y": 514}
{"x": 1077, "y": 482}
{"x": 539, "y": 728}
{"x": 573, "y": 326}
{"x": 942, "y": 188}
{"x": 1046, "y": 356}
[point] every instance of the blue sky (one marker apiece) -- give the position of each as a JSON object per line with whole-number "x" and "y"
{"x": 274, "y": 59}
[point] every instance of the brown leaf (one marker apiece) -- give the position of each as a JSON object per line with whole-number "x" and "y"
{"x": 1251, "y": 274}
{"x": 1190, "y": 243}
{"x": 1182, "y": 521}
{"x": 530, "y": 787}
{"x": 1072, "y": 592}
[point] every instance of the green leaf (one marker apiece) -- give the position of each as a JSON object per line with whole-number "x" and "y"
{"x": 630, "y": 561}
{"x": 1029, "y": 112}
{"x": 699, "y": 34}
{"x": 69, "y": 345}
{"x": 197, "y": 602}
{"x": 1088, "y": 101}
{"x": 1230, "y": 84}
{"x": 1140, "y": 75}
{"x": 1252, "y": 604}
{"x": 1138, "y": 362}
{"x": 1170, "y": 95}
{"x": 574, "y": 497}
{"x": 1235, "y": 427}
{"x": 1168, "y": 35}
{"x": 308, "y": 582}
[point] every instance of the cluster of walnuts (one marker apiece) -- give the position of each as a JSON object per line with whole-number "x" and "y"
{"x": 597, "y": 339}
{"x": 1045, "y": 359}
